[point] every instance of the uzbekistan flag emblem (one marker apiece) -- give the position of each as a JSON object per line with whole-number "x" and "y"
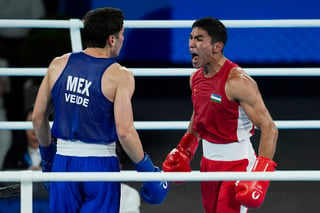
{"x": 215, "y": 98}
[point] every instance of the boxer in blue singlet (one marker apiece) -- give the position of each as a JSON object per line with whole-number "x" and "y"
{"x": 90, "y": 96}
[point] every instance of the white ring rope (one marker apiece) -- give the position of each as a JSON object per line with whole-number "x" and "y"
{"x": 176, "y": 72}
{"x": 126, "y": 175}
{"x": 172, "y": 125}
{"x": 143, "y": 24}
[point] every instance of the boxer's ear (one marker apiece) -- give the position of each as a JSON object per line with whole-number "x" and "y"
{"x": 217, "y": 47}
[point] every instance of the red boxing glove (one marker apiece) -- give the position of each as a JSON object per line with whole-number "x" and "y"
{"x": 178, "y": 160}
{"x": 251, "y": 193}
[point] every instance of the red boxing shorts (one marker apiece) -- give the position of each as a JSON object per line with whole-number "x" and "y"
{"x": 219, "y": 196}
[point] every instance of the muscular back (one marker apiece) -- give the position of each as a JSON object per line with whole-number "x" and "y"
{"x": 115, "y": 79}
{"x": 82, "y": 112}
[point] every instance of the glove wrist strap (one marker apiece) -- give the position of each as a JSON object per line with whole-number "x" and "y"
{"x": 264, "y": 164}
{"x": 145, "y": 165}
{"x": 189, "y": 143}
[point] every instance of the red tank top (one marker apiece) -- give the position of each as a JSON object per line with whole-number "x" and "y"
{"x": 216, "y": 118}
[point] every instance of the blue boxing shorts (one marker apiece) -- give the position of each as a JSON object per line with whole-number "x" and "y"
{"x": 85, "y": 196}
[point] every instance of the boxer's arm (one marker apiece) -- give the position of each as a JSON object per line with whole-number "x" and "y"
{"x": 41, "y": 112}
{"x": 179, "y": 158}
{"x": 241, "y": 87}
{"x": 43, "y": 106}
{"x": 118, "y": 86}
{"x": 128, "y": 136}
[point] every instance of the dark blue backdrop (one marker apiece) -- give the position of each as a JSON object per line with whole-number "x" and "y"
{"x": 245, "y": 46}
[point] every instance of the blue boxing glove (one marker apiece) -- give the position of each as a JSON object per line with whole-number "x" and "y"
{"x": 152, "y": 192}
{"x": 47, "y": 155}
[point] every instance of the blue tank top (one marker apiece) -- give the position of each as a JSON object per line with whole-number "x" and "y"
{"x": 81, "y": 111}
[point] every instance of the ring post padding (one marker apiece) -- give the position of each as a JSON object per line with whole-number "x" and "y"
{"x": 26, "y": 191}
{"x": 75, "y": 35}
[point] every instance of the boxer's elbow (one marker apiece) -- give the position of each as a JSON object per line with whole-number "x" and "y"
{"x": 125, "y": 131}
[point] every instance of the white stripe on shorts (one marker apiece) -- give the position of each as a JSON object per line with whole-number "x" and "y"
{"x": 81, "y": 149}
{"x": 230, "y": 151}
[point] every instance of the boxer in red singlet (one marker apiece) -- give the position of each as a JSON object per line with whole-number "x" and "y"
{"x": 227, "y": 105}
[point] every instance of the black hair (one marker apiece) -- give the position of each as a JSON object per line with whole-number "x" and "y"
{"x": 215, "y": 29}
{"x": 100, "y": 23}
